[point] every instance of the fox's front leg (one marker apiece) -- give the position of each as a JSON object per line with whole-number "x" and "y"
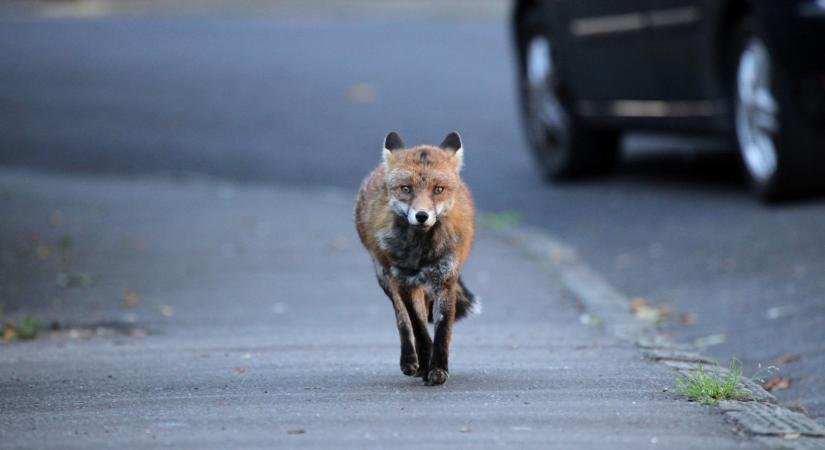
{"x": 417, "y": 309}
{"x": 443, "y": 320}
{"x": 409, "y": 359}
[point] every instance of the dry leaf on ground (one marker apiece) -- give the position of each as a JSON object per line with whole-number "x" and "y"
{"x": 790, "y": 357}
{"x": 137, "y": 332}
{"x": 798, "y": 407}
{"x": 777, "y": 384}
{"x": 43, "y": 251}
{"x": 362, "y": 93}
{"x": 687, "y": 318}
{"x": 167, "y": 310}
{"x": 242, "y": 369}
{"x": 9, "y": 332}
{"x": 643, "y": 310}
{"x": 130, "y": 297}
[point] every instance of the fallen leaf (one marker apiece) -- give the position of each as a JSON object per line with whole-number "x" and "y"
{"x": 790, "y": 357}
{"x": 361, "y": 93}
{"x": 242, "y": 369}
{"x": 464, "y": 429}
{"x": 687, "y": 318}
{"x": 167, "y": 310}
{"x": 798, "y": 407}
{"x": 43, "y": 251}
{"x": 777, "y": 384}
{"x": 137, "y": 332}
{"x": 296, "y": 431}
{"x": 130, "y": 297}
{"x": 643, "y": 310}
{"x": 9, "y": 332}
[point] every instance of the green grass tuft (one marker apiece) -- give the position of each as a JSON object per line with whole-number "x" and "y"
{"x": 28, "y": 328}
{"x": 712, "y": 386}
{"x": 500, "y": 221}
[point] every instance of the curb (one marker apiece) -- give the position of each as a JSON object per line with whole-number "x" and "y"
{"x": 769, "y": 423}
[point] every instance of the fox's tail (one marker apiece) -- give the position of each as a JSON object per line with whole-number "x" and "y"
{"x": 466, "y": 302}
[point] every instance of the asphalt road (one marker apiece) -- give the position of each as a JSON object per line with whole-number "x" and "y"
{"x": 306, "y": 103}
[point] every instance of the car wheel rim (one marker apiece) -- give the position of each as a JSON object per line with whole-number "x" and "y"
{"x": 756, "y": 112}
{"x": 547, "y": 119}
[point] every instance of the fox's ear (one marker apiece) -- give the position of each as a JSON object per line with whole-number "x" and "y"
{"x": 391, "y": 143}
{"x": 453, "y": 142}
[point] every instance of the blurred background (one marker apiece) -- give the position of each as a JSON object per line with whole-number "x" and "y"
{"x": 300, "y": 93}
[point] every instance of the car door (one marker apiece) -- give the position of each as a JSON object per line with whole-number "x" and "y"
{"x": 676, "y": 44}
{"x": 603, "y": 51}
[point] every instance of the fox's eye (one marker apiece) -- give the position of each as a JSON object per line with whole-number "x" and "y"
{"x": 406, "y": 189}
{"x": 438, "y": 189}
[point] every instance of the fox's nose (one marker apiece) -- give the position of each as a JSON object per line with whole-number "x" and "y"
{"x": 421, "y": 216}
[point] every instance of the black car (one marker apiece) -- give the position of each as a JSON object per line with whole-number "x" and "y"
{"x": 753, "y": 69}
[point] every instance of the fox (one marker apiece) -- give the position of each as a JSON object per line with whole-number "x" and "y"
{"x": 415, "y": 216}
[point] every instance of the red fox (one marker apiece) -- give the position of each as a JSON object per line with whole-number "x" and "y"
{"x": 415, "y": 216}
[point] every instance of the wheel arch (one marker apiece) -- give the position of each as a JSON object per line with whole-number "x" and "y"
{"x": 519, "y": 7}
{"x": 727, "y": 16}
{"x": 518, "y": 16}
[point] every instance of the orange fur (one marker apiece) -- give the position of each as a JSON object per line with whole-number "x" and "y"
{"x": 373, "y": 212}
{"x": 415, "y": 216}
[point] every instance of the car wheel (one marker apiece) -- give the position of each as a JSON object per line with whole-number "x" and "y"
{"x": 777, "y": 143}
{"x": 562, "y": 145}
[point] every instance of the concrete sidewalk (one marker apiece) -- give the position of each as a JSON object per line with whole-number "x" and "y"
{"x": 222, "y": 316}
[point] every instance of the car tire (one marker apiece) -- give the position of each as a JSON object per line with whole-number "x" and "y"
{"x": 780, "y": 149}
{"x": 562, "y": 145}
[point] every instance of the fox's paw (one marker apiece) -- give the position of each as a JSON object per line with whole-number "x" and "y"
{"x": 409, "y": 369}
{"x": 437, "y": 377}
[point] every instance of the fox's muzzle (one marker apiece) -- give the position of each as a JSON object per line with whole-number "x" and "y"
{"x": 421, "y": 217}
{"x": 416, "y": 217}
